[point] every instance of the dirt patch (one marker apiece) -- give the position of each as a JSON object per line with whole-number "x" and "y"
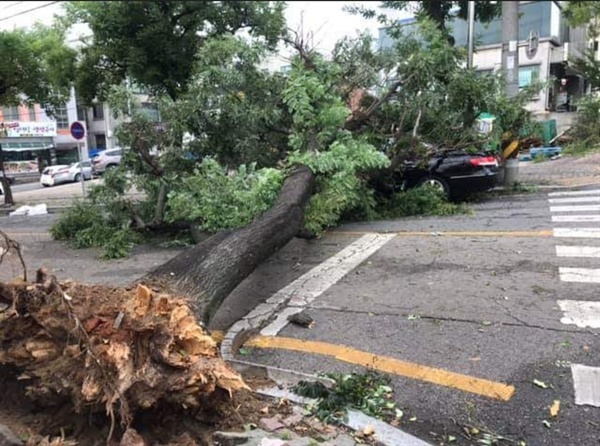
{"x": 168, "y": 426}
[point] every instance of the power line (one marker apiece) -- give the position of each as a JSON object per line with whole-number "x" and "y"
{"x": 11, "y": 5}
{"x": 27, "y": 11}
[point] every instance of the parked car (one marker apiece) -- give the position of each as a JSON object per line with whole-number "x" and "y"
{"x": 107, "y": 159}
{"x": 455, "y": 173}
{"x": 53, "y": 175}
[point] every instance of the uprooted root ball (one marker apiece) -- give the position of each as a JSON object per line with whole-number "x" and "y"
{"x": 112, "y": 350}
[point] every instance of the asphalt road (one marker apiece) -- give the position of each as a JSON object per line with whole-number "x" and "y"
{"x": 483, "y": 304}
{"x": 26, "y": 187}
{"x": 472, "y": 297}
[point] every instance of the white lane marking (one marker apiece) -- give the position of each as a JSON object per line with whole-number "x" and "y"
{"x": 584, "y": 314}
{"x": 575, "y": 200}
{"x": 577, "y": 251}
{"x": 575, "y": 218}
{"x": 579, "y": 208}
{"x": 575, "y": 193}
{"x": 309, "y": 286}
{"x": 582, "y": 275}
{"x": 577, "y": 232}
{"x": 586, "y": 381}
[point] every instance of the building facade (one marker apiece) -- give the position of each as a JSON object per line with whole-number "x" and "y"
{"x": 29, "y": 136}
{"x": 557, "y": 46}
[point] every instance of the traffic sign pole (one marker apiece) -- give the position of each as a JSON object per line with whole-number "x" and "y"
{"x": 78, "y": 132}
{"x": 81, "y": 169}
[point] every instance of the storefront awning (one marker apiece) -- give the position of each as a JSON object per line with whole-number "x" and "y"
{"x": 23, "y": 146}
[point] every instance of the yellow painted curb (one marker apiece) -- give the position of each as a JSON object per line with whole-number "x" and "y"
{"x": 484, "y": 387}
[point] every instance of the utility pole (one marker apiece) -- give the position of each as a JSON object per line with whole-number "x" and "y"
{"x": 471, "y": 27}
{"x": 510, "y": 69}
{"x": 510, "y": 46}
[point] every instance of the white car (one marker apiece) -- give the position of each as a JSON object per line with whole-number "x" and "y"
{"x": 53, "y": 175}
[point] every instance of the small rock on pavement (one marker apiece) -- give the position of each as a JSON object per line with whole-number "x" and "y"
{"x": 270, "y": 424}
{"x": 273, "y": 442}
{"x": 7, "y": 438}
{"x": 249, "y": 438}
{"x": 292, "y": 420}
{"x": 343, "y": 440}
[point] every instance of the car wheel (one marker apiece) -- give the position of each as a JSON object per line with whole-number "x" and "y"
{"x": 437, "y": 183}
{"x": 110, "y": 166}
{"x": 46, "y": 185}
{"x": 77, "y": 178}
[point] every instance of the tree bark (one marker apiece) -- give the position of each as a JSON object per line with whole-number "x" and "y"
{"x": 210, "y": 271}
{"x": 8, "y": 196}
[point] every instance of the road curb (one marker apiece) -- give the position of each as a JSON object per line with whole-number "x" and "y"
{"x": 257, "y": 319}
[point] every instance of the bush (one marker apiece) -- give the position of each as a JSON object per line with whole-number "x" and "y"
{"x": 423, "y": 200}
{"x": 85, "y": 225}
{"x": 586, "y": 131}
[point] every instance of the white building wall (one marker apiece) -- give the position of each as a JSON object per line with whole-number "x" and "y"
{"x": 490, "y": 58}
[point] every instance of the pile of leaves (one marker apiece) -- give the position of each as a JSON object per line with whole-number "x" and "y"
{"x": 369, "y": 392}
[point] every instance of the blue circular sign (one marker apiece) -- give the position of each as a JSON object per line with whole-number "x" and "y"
{"x": 77, "y": 130}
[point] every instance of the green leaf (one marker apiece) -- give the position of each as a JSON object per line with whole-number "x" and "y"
{"x": 245, "y": 351}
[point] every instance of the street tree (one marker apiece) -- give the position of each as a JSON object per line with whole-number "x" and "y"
{"x": 586, "y": 14}
{"x": 38, "y": 68}
{"x": 156, "y": 43}
{"x": 440, "y": 12}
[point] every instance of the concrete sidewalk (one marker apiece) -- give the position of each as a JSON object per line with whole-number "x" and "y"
{"x": 567, "y": 171}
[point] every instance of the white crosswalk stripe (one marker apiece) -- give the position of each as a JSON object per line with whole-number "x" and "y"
{"x": 575, "y": 193}
{"x": 590, "y": 199}
{"x": 576, "y": 208}
{"x": 583, "y": 314}
{"x": 582, "y": 275}
{"x": 577, "y": 251}
{"x": 575, "y": 218}
{"x": 577, "y": 232}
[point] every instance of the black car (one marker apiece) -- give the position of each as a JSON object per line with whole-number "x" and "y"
{"x": 456, "y": 173}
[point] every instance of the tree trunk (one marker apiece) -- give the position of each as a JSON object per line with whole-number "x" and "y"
{"x": 8, "y": 196}
{"x": 210, "y": 271}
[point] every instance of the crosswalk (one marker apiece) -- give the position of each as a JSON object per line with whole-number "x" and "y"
{"x": 579, "y": 218}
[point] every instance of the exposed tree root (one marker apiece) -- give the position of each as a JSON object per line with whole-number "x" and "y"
{"x": 98, "y": 348}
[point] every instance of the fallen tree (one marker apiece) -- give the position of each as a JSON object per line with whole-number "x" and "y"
{"x": 208, "y": 272}
{"x": 123, "y": 351}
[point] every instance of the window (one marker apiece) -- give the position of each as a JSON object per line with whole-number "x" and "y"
{"x": 485, "y": 72}
{"x": 62, "y": 118}
{"x": 80, "y": 112}
{"x": 32, "y": 114}
{"x": 98, "y": 111}
{"x": 10, "y": 113}
{"x": 100, "y": 141}
{"x": 151, "y": 111}
{"x": 528, "y": 74}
